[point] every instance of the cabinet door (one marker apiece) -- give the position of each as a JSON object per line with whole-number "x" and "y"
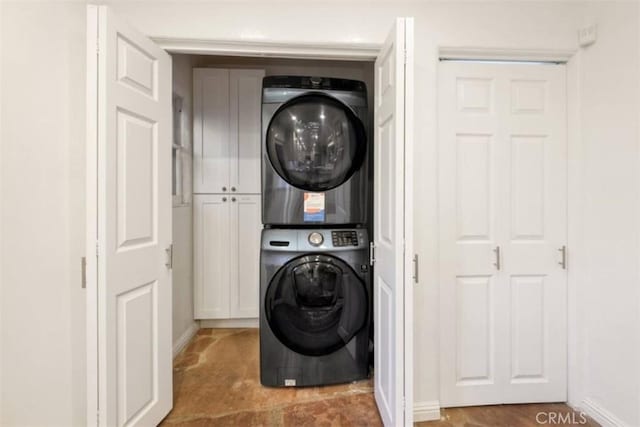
{"x": 211, "y": 138}
{"x": 212, "y": 258}
{"x": 244, "y": 117}
{"x": 245, "y": 282}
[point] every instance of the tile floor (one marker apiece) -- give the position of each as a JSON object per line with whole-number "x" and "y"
{"x": 217, "y": 383}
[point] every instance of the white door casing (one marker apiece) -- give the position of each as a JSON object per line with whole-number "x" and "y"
{"x": 392, "y": 141}
{"x": 502, "y": 184}
{"x": 133, "y": 132}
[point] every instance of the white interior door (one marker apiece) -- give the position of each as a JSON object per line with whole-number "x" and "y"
{"x": 503, "y": 207}
{"x": 133, "y": 130}
{"x": 393, "y": 173}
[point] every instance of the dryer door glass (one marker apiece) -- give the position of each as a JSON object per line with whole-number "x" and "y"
{"x": 315, "y": 304}
{"x": 315, "y": 142}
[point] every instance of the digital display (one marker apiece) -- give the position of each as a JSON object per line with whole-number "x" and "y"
{"x": 344, "y": 238}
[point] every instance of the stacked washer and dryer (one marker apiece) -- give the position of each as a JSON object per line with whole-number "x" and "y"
{"x": 315, "y": 282}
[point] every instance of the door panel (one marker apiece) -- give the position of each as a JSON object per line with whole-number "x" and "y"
{"x": 245, "y": 109}
{"x": 212, "y": 232}
{"x": 392, "y": 136}
{"x": 502, "y": 213}
{"x": 474, "y": 308}
{"x": 211, "y": 139}
{"x": 134, "y": 222}
{"x": 244, "y": 285}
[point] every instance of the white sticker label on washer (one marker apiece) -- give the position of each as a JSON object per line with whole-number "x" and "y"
{"x": 313, "y": 207}
{"x": 289, "y": 383}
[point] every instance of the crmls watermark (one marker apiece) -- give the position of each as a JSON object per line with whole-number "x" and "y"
{"x": 561, "y": 418}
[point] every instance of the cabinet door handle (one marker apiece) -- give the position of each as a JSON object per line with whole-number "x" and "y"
{"x": 224, "y": 199}
{"x": 496, "y": 250}
{"x": 233, "y": 199}
{"x": 233, "y": 188}
{"x": 224, "y": 188}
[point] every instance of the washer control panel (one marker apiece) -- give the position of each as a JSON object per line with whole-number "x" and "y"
{"x": 344, "y": 238}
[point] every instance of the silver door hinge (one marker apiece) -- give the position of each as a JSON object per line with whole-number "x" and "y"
{"x": 97, "y": 249}
{"x": 83, "y": 269}
{"x": 169, "y": 253}
{"x": 372, "y": 253}
{"x": 415, "y": 268}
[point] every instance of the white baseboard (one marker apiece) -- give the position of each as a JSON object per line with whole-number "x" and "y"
{"x": 426, "y": 411}
{"x": 184, "y": 339}
{"x": 229, "y": 323}
{"x": 600, "y": 414}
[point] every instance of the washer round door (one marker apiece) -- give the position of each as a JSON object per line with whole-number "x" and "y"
{"x": 315, "y": 304}
{"x": 315, "y": 142}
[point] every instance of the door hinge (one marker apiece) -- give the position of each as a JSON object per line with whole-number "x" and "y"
{"x": 97, "y": 249}
{"x": 169, "y": 254}
{"x": 83, "y": 267}
{"x": 415, "y": 268}
{"x": 372, "y": 253}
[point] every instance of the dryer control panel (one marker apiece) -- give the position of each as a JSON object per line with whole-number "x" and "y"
{"x": 344, "y": 238}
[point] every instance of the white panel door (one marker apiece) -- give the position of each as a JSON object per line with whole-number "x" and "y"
{"x": 213, "y": 234}
{"x": 246, "y": 223}
{"x": 245, "y": 102}
{"x": 392, "y": 148}
{"x": 134, "y": 223}
{"x": 211, "y": 143}
{"x": 502, "y": 198}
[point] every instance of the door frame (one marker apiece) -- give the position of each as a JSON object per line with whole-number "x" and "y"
{"x": 295, "y": 50}
{"x": 571, "y": 58}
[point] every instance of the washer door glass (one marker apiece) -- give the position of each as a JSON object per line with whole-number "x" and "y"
{"x": 315, "y": 142}
{"x": 315, "y": 304}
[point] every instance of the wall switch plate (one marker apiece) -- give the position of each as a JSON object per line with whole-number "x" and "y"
{"x": 588, "y": 35}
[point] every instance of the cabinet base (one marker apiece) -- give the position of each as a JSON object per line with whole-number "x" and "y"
{"x": 229, "y": 323}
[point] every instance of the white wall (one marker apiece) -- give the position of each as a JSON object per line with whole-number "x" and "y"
{"x": 183, "y": 323}
{"x": 608, "y": 329}
{"x": 42, "y": 214}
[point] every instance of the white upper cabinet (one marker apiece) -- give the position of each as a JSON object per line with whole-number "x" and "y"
{"x": 226, "y": 129}
{"x": 211, "y": 131}
{"x": 245, "y": 102}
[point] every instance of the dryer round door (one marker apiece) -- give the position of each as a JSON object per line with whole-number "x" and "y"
{"x": 315, "y": 304}
{"x": 315, "y": 142}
